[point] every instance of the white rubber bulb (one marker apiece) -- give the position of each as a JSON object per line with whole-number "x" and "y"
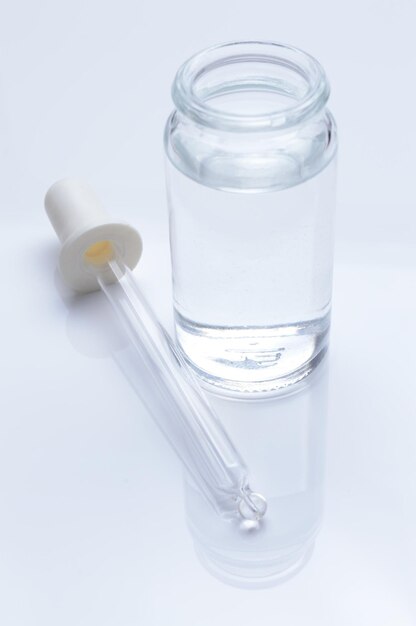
{"x": 82, "y": 225}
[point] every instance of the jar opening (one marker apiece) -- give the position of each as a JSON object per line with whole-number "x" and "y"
{"x": 250, "y": 86}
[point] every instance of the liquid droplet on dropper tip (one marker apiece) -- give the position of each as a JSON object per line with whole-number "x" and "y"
{"x": 252, "y": 506}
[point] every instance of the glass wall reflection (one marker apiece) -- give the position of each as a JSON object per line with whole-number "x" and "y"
{"x": 283, "y": 443}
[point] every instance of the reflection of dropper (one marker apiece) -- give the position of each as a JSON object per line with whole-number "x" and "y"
{"x": 97, "y": 253}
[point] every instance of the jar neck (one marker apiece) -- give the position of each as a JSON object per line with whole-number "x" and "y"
{"x": 250, "y": 87}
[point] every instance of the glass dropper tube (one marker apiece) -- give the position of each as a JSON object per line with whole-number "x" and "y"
{"x": 179, "y": 407}
{"x": 98, "y": 252}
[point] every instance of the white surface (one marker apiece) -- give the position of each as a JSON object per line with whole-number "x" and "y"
{"x": 93, "y": 529}
{"x": 92, "y": 525}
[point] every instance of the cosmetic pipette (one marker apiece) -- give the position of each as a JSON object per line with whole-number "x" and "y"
{"x": 99, "y": 254}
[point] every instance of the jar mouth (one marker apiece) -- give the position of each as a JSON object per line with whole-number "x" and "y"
{"x": 250, "y": 85}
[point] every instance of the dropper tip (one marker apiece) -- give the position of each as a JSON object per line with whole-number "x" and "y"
{"x": 252, "y": 506}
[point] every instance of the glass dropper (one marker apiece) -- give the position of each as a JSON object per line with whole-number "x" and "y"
{"x": 98, "y": 254}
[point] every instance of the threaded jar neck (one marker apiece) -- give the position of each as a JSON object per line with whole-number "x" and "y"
{"x": 250, "y": 86}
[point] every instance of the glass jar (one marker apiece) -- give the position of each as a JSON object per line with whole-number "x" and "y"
{"x": 251, "y": 191}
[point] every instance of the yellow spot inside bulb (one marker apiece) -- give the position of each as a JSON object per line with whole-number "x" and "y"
{"x": 99, "y": 253}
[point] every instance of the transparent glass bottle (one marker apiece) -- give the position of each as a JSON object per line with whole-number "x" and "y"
{"x": 251, "y": 191}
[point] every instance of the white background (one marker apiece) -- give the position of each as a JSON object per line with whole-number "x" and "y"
{"x": 85, "y": 90}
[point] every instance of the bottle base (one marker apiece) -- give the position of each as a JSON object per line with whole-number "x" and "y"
{"x": 256, "y": 572}
{"x": 247, "y": 361}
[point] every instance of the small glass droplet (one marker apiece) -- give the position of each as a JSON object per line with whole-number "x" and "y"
{"x": 252, "y": 506}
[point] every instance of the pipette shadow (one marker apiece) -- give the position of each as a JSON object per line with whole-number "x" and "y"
{"x": 282, "y": 440}
{"x": 90, "y": 325}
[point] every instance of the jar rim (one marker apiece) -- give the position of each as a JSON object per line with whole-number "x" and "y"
{"x": 189, "y": 103}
